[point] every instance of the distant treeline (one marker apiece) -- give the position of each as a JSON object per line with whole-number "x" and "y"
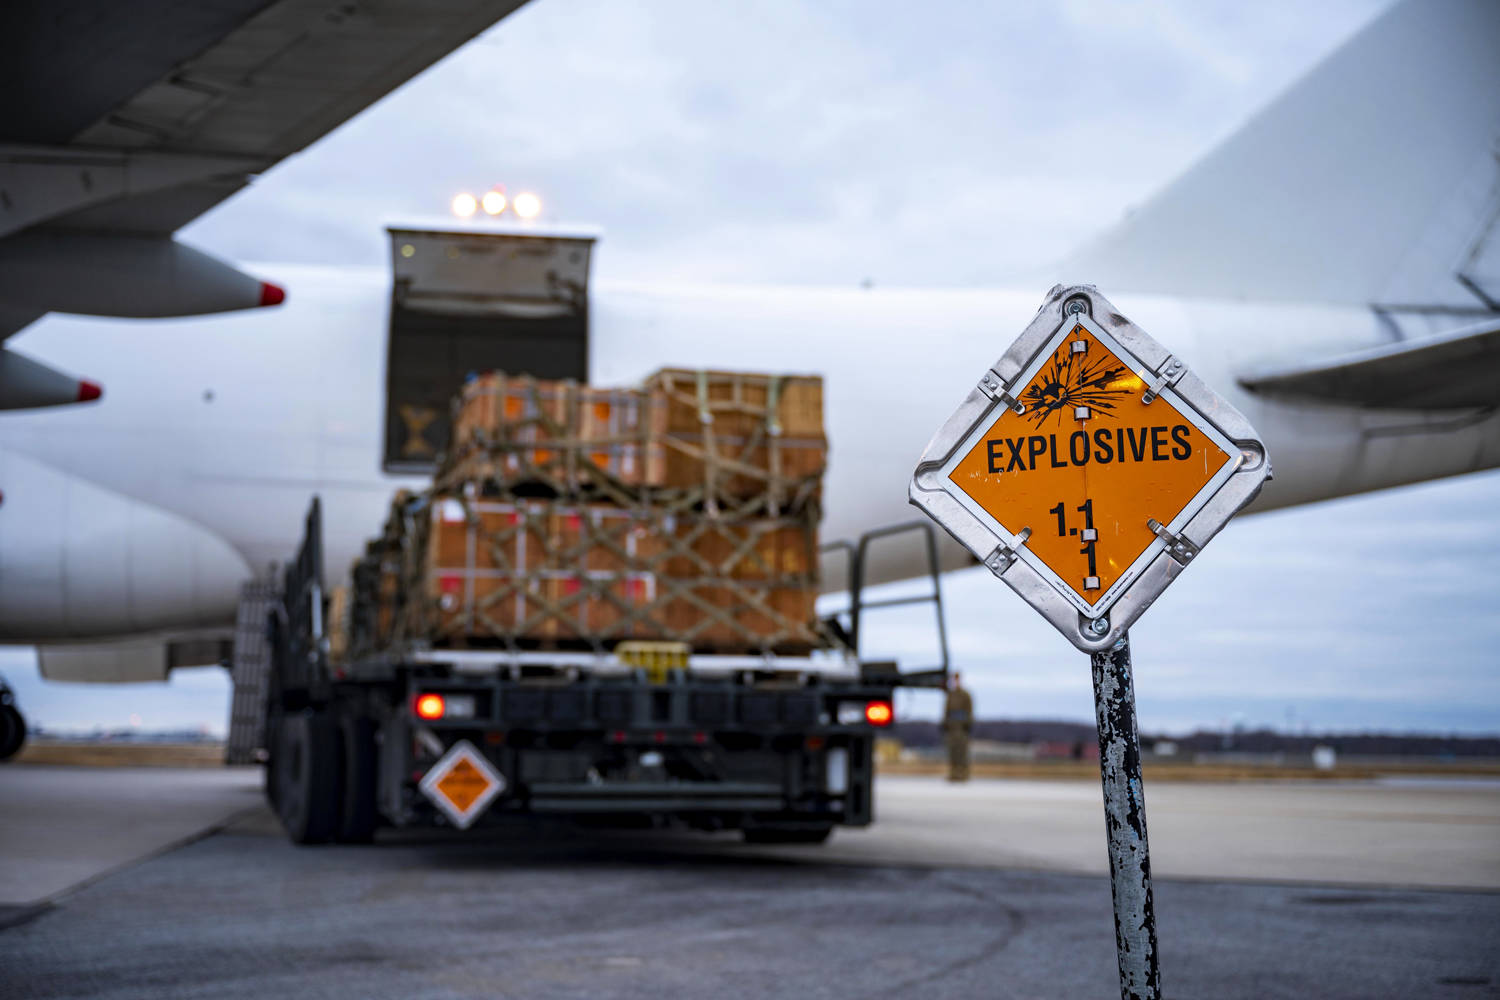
{"x": 923, "y": 734}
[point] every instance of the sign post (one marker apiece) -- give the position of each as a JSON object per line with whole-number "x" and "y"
{"x": 1086, "y": 469}
{"x": 1125, "y": 822}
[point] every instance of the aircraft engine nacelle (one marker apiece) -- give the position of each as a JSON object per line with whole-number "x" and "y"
{"x": 25, "y": 383}
{"x": 79, "y": 562}
{"x": 130, "y": 276}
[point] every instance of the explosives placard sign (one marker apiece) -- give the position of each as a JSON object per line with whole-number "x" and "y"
{"x": 462, "y": 784}
{"x": 1088, "y": 466}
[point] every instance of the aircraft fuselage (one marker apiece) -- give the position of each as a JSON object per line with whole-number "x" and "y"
{"x": 146, "y": 510}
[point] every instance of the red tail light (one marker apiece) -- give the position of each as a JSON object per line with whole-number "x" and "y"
{"x": 430, "y": 706}
{"x": 879, "y": 713}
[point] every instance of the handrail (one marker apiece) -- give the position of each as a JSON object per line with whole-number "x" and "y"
{"x": 857, "y": 555}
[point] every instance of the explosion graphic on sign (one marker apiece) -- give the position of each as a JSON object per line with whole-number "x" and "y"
{"x": 1071, "y": 380}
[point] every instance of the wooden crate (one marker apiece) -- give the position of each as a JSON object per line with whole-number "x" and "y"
{"x": 518, "y": 429}
{"x": 337, "y": 627}
{"x": 742, "y": 618}
{"x": 761, "y": 548}
{"x": 486, "y": 608}
{"x": 726, "y": 437}
{"x": 535, "y": 570}
{"x": 522, "y": 536}
{"x": 377, "y": 585}
{"x": 539, "y": 571}
{"x": 741, "y": 403}
{"x": 739, "y": 434}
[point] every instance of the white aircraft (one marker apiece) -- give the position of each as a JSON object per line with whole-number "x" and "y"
{"x": 1333, "y": 268}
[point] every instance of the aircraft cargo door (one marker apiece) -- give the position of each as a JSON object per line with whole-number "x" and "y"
{"x": 473, "y": 300}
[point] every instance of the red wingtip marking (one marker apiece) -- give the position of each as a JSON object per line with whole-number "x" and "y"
{"x": 271, "y": 295}
{"x": 89, "y": 390}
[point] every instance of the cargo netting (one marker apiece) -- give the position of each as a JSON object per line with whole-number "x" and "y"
{"x": 566, "y": 516}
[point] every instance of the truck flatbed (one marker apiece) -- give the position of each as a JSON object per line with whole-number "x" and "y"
{"x": 780, "y": 747}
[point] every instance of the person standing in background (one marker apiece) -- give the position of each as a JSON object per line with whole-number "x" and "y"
{"x": 958, "y": 726}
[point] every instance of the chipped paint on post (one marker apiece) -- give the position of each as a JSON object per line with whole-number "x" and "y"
{"x": 1125, "y": 823}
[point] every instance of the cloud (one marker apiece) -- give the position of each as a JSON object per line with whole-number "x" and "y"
{"x": 949, "y": 144}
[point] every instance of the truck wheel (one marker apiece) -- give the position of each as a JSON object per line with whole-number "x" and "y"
{"x": 306, "y": 777}
{"x": 787, "y": 834}
{"x": 269, "y": 775}
{"x": 12, "y": 731}
{"x": 357, "y": 818}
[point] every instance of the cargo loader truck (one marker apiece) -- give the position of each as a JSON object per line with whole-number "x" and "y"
{"x": 587, "y": 617}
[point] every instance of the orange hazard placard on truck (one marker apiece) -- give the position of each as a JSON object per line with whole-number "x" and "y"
{"x": 1078, "y": 475}
{"x": 462, "y": 784}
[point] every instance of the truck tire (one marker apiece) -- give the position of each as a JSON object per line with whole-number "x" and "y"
{"x": 357, "y": 816}
{"x": 12, "y": 732}
{"x": 271, "y": 777}
{"x": 787, "y": 834}
{"x": 305, "y": 774}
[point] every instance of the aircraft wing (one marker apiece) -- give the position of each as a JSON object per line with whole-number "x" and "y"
{"x": 1457, "y": 370}
{"x": 210, "y": 93}
{"x": 124, "y": 122}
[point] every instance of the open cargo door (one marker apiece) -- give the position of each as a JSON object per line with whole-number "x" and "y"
{"x": 474, "y": 299}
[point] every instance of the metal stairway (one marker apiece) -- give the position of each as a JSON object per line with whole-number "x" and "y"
{"x": 250, "y": 669}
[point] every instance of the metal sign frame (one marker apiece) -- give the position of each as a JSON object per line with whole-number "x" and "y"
{"x": 1097, "y": 626}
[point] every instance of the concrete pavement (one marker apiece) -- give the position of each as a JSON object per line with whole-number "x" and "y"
{"x": 65, "y": 825}
{"x": 62, "y": 826}
{"x": 560, "y": 913}
{"x": 991, "y": 889}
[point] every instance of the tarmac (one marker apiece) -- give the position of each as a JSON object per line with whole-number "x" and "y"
{"x": 124, "y": 883}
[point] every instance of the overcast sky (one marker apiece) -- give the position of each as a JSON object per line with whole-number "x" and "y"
{"x": 933, "y": 144}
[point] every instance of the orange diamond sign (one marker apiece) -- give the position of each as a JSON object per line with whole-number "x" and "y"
{"x": 1088, "y": 467}
{"x": 462, "y": 784}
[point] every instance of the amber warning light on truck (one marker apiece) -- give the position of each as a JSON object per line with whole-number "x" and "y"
{"x": 876, "y": 712}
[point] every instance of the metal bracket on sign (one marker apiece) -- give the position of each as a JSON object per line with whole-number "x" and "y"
{"x": 1170, "y": 373}
{"x": 1179, "y": 547}
{"x": 1003, "y": 556}
{"x": 993, "y": 386}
